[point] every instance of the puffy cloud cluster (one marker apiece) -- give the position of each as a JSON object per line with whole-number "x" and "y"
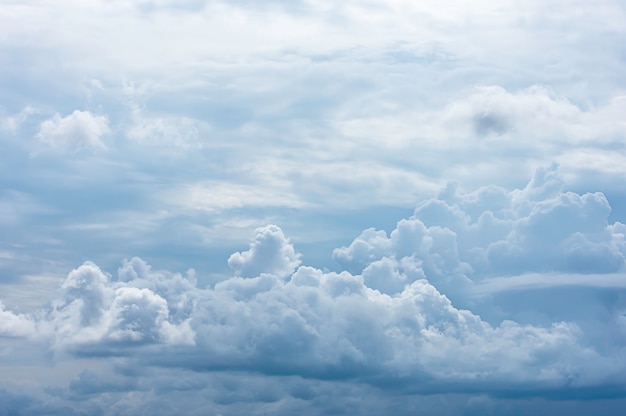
{"x": 387, "y": 319}
{"x": 316, "y": 324}
{"x": 94, "y": 314}
{"x": 492, "y": 231}
{"x": 77, "y": 131}
{"x": 333, "y": 326}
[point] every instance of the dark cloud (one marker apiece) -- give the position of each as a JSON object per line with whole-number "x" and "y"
{"x": 491, "y": 123}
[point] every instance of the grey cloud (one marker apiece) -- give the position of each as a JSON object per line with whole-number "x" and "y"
{"x": 92, "y": 383}
{"x": 316, "y": 324}
{"x": 486, "y": 123}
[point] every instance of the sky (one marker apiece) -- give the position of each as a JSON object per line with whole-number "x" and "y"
{"x": 312, "y": 207}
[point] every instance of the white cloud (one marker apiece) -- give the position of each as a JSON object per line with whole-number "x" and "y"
{"x": 316, "y": 324}
{"x": 15, "y": 325}
{"x": 384, "y": 318}
{"x": 174, "y": 132}
{"x": 80, "y": 130}
{"x": 216, "y": 196}
{"x": 95, "y": 313}
{"x": 540, "y": 228}
{"x": 271, "y": 252}
{"x": 532, "y": 118}
{"x": 388, "y": 319}
{"x": 14, "y": 122}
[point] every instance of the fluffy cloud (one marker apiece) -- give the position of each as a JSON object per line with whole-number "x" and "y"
{"x": 270, "y": 253}
{"x": 540, "y": 228}
{"x": 15, "y": 325}
{"x": 388, "y": 319}
{"x": 331, "y": 325}
{"x": 316, "y": 324}
{"x": 77, "y": 131}
{"x": 94, "y": 312}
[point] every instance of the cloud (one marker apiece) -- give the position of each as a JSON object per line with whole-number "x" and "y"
{"x": 95, "y": 313}
{"x": 81, "y": 130}
{"x": 214, "y": 197}
{"x": 391, "y": 318}
{"x": 170, "y": 131}
{"x": 185, "y": 5}
{"x": 14, "y": 122}
{"x": 316, "y": 324}
{"x": 271, "y": 253}
{"x": 540, "y": 228}
{"x": 532, "y": 119}
{"x": 15, "y": 325}
{"x": 328, "y": 119}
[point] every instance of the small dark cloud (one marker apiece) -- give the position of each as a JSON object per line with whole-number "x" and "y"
{"x": 486, "y": 123}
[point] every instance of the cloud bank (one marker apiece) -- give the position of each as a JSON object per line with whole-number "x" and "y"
{"x": 385, "y": 321}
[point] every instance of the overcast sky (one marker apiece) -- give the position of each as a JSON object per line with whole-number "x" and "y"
{"x": 312, "y": 207}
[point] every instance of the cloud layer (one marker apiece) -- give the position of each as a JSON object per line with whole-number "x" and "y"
{"x": 383, "y": 321}
{"x": 409, "y": 265}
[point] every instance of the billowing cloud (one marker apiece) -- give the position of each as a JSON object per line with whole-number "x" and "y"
{"x": 540, "y": 228}
{"x": 80, "y": 130}
{"x": 316, "y": 324}
{"x": 271, "y": 253}
{"x": 94, "y": 313}
{"x": 385, "y": 320}
{"x": 14, "y": 325}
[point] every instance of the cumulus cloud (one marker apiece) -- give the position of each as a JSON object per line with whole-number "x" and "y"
{"x": 540, "y": 228}
{"x": 80, "y": 130}
{"x": 316, "y": 324}
{"x": 14, "y": 324}
{"x": 94, "y": 312}
{"x": 388, "y": 318}
{"x": 330, "y": 325}
{"x": 271, "y": 252}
